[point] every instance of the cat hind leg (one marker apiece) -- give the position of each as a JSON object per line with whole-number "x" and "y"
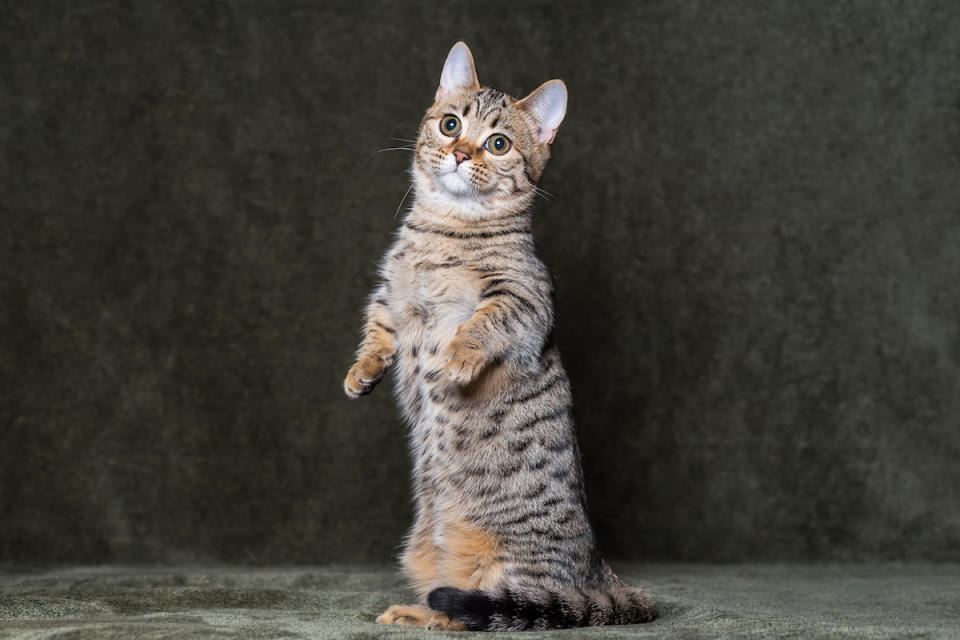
{"x": 416, "y": 616}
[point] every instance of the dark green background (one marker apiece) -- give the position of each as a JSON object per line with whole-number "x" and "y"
{"x": 755, "y": 236}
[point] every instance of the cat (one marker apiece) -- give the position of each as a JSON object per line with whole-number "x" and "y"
{"x": 463, "y": 314}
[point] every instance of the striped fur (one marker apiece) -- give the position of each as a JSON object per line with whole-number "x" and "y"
{"x": 463, "y": 315}
{"x": 523, "y": 609}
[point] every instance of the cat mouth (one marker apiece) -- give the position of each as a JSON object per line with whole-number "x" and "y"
{"x": 456, "y": 182}
{"x": 459, "y": 183}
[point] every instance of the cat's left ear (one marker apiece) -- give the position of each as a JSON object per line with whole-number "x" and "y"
{"x": 547, "y": 105}
{"x": 459, "y": 73}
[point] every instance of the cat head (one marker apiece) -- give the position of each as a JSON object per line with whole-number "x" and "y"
{"x": 480, "y": 153}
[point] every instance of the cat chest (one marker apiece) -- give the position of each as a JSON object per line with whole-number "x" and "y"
{"x": 436, "y": 293}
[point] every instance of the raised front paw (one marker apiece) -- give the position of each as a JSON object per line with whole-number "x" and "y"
{"x": 464, "y": 362}
{"x": 365, "y": 374}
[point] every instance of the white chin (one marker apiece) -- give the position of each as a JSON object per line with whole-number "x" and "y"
{"x": 455, "y": 183}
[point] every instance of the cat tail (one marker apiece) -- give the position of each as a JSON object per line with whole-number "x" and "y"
{"x": 518, "y": 609}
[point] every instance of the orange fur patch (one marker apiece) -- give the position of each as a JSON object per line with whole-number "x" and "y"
{"x": 421, "y": 563}
{"x": 419, "y": 617}
{"x": 466, "y": 560}
{"x": 491, "y": 382}
{"x": 470, "y": 556}
{"x": 380, "y": 342}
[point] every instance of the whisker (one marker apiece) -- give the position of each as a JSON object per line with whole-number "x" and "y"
{"x": 390, "y": 149}
{"x": 402, "y": 200}
{"x": 543, "y": 193}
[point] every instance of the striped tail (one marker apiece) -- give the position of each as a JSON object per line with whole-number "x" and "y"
{"x": 517, "y": 610}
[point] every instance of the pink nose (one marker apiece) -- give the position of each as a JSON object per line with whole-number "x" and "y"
{"x": 460, "y": 156}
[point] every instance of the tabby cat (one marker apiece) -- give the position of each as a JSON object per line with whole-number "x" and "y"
{"x": 463, "y": 314}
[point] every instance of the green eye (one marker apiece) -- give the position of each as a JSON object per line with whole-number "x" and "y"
{"x": 498, "y": 144}
{"x": 450, "y": 126}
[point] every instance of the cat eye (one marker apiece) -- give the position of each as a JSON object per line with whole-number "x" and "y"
{"x": 450, "y": 126}
{"x": 497, "y": 144}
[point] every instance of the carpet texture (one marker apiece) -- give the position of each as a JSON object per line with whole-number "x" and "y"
{"x": 856, "y": 601}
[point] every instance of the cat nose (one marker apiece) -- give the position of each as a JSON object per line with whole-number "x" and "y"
{"x": 460, "y": 156}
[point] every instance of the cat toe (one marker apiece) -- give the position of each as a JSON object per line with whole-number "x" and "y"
{"x": 440, "y": 622}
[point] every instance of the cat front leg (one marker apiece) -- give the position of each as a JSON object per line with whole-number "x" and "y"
{"x": 365, "y": 373}
{"x": 377, "y": 349}
{"x": 466, "y": 356}
{"x": 511, "y": 320}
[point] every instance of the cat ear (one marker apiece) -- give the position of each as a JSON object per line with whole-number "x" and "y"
{"x": 547, "y": 105}
{"x": 458, "y": 72}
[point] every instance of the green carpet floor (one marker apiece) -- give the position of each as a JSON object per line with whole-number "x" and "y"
{"x": 696, "y": 601}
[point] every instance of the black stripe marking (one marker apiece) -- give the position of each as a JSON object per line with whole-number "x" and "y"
{"x": 550, "y": 416}
{"x": 525, "y": 517}
{"x": 524, "y": 229}
{"x": 530, "y": 573}
{"x": 521, "y": 446}
{"x": 489, "y": 433}
{"x": 526, "y": 304}
{"x": 539, "y": 464}
{"x": 384, "y": 327}
{"x": 538, "y": 392}
{"x": 587, "y": 610}
{"x": 536, "y": 491}
{"x": 433, "y": 266}
{"x": 493, "y": 283}
{"x": 560, "y": 562}
{"x": 545, "y": 552}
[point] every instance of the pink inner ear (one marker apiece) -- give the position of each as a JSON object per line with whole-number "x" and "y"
{"x": 545, "y": 133}
{"x": 548, "y": 106}
{"x": 458, "y": 71}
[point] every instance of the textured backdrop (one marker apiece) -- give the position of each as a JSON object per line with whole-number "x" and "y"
{"x": 755, "y": 236}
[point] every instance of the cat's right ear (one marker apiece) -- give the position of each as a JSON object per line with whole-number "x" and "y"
{"x": 458, "y": 72}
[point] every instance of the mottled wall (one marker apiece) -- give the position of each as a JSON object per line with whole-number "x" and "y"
{"x": 755, "y": 236}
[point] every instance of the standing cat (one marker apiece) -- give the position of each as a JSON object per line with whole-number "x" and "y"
{"x": 501, "y": 541}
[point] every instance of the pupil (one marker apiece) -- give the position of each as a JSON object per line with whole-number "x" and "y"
{"x": 451, "y": 125}
{"x": 498, "y": 143}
